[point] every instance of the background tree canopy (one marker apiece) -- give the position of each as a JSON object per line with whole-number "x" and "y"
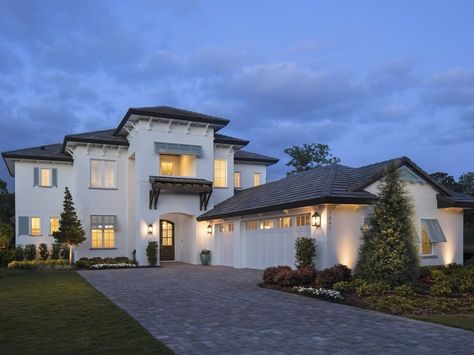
{"x": 309, "y": 156}
{"x": 7, "y": 214}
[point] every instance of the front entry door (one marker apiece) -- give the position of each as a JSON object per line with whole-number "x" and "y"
{"x": 166, "y": 240}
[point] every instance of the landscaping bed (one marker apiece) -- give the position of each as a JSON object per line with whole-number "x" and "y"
{"x": 97, "y": 263}
{"x": 439, "y": 291}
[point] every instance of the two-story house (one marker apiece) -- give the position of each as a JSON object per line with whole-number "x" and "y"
{"x": 166, "y": 174}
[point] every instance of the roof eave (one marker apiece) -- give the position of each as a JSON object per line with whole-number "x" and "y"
{"x": 220, "y": 123}
{"x": 452, "y": 202}
{"x": 6, "y": 156}
{"x": 347, "y": 200}
{"x": 91, "y": 141}
{"x": 267, "y": 162}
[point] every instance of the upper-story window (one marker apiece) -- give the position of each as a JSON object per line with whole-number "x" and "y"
{"x": 45, "y": 177}
{"x": 257, "y": 179}
{"x": 220, "y": 173}
{"x": 103, "y": 174}
{"x": 237, "y": 183}
{"x": 177, "y": 165}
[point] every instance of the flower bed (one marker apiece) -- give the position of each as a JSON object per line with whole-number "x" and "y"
{"x": 112, "y": 266}
{"x": 319, "y": 292}
{"x": 105, "y": 263}
{"x": 59, "y": 264}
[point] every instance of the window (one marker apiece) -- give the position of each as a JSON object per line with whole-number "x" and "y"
{"x": 226, "y": 227}
{"x": 45, "y": 177}
{"x": 285, "y": 222}
{"x": 237, "y": 184}
{"x": 256, "y": 179}
{"x": 220, "y": 173}
{"x": 103, "y": 174}
{"x": 166, "y": 168}
{"x": 426, "y": 245}
{"x": 266, "y": 224}
{"x": 53, "y": 225}
{"x": 35, "y": 226}
{"x": 166, "y": 233}
{"x": 303, "y": 220}
{"x": 103, "y": 232}
{"x": 251, "y": 225}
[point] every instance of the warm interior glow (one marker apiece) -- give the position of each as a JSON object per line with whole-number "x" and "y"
{"x": 237, "y": 183}
{"x": 177, "y": 165}
{"x": 426, "y": 245}
{"x": 53, "y": 225}
{"x": 220, "y": 173}
{"x": 256, "y": 179}
{"x": 166, "y": 233}
{"x": 45, "y": 177}
{"x": 35, "y": 226}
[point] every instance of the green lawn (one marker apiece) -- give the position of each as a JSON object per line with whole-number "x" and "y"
{"x": 59, "y": 312}
{"x": 464, "y": 321}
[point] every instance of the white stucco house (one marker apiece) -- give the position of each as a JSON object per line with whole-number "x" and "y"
{"x": 166, "y": 174}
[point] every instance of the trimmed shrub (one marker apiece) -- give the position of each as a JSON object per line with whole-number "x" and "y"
{"x": 152, "y": 253}
{"x": 466, "y": 286}
{"x": 19, "y": 253}
{"x": 56, "y": 250}
{"x": 441, "y": 288}
{"x": 43, "y": 251}
{"x": 305, "y": 252}
{"x": 270, "y": 273}
{"x": 344, "y": 286}
{"x": 30, "y": 252}
{"x": 364, "y": 288}
{"x": 328, "y": 277}
{"x": 38, "y": 264}
{"x": 405, "y": 290}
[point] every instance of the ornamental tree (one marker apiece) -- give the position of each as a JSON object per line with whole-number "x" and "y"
{"x": 388, "y": 252}
{"x": 70, "y": 229}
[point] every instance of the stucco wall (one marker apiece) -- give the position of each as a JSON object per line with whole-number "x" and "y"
{"x": 247, "y": 171}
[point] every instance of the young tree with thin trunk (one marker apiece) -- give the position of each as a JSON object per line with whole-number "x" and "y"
{"x": 70, "y": 228}
{"x": 388, "y": 252}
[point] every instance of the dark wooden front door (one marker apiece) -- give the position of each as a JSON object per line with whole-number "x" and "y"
{"x": 166, "y": 240}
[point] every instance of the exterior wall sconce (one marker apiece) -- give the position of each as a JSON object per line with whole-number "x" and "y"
{"x": 150, "y": 229}
{"x": 316, "y": 217}
{"x": 209, "y": 229}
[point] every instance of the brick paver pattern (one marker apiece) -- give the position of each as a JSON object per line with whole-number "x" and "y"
{"x": 221, "y": 310}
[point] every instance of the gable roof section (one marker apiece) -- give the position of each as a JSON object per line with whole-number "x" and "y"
{"x": 51, "y": 152}
{"x": 172, "y": 113}
{"x": 328, "y": 184}
{"x": 243, "y": 156}
{"x": 99, "y": 137}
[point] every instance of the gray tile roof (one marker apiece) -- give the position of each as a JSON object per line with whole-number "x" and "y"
{"x": 246, "y": 156}
{"x": 224, "y": 139}
{"x": 42, "y": 152}
{"x": 173, "y": 113}
{"x": 328, "y": 184}
{"x": 101, "y": 137}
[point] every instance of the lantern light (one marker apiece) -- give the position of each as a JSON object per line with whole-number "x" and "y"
{"x": 209, "y": 229}
{"x": 150, "y": 229}
{"x": 316, "y": 219}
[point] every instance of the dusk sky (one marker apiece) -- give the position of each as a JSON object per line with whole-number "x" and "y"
{"x": 373, "y": 79}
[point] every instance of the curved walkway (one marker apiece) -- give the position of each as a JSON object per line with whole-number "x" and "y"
{"x": 213, "y": 309}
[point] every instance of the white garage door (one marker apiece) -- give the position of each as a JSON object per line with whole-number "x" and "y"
{"x": 272, "y": 247}
{"x": 224, "y": 248}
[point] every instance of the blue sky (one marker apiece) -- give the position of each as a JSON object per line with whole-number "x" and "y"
{"x": 373, "y": 79}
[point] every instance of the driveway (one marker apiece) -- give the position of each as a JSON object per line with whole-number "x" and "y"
{"x": 213, "y": 309}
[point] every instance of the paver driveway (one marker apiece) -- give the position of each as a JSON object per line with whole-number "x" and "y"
{"x": 212, "y": 309}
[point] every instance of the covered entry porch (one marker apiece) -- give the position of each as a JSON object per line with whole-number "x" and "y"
{"x": 177, "y": 237}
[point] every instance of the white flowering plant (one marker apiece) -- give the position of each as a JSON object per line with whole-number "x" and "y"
{"x": 112, "y": 266}
{"x": 319, "y": 292}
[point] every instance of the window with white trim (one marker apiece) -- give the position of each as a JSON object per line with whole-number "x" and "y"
{"x": 45, "y": 177}
{"x": 226, "y": 227}
{"x": 103, "y": 174}
{"x": 220, "y": 173}
{"x": 53, "y": 225}
{"x": 103, "y": 232}
{"x": 257, "y": 179}
{"x": 237, "y": 183}
{"x": 266, "y": 224}
{"x": 35, "y": 224}
{"x": 303, "y": 220}
{"x": 285, "y": 222}
{"x": 251, "y": 225}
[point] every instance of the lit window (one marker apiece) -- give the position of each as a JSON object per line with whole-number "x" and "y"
{"x": 103, "y": 174}
{"x": 227, "y": 227}
{"x": 53, "y": 225}
{"x": 237, "y": 180}
{"x": 35, "y": 226}
{"x": 45, "y": 177}
{"x": 285, "y": 222}
{"x": 266, "y": 224}
{"x": 256, "y": 179}
{"x": 251, "y": 225}
{"x": 220, "y": 173}
{"x": 103, "y": 232}
{"x": 426, "y": 245}
{"x": 166, "y": 233}
{"x": 302, "y": 220}
{"x": 166, "y": 168}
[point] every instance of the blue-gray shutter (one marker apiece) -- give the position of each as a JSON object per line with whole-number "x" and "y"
{"x": 36, "y": 177}
{"x": 434, "y": 231}
{"x": 23, "y": 225}
{"x": 55, "y": 177}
